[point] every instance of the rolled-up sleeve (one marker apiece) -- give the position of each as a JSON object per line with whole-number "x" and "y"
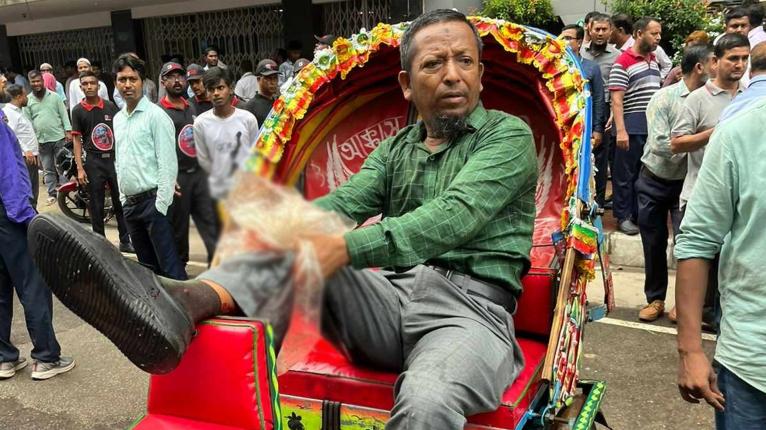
{"x": 710, "y": 210}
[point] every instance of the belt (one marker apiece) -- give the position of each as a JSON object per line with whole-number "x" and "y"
{"x": 476, "y": 287}
{"x": 99, "y": 154}
{"x": 140, "y": 197}
{"x": 648, "y": 173}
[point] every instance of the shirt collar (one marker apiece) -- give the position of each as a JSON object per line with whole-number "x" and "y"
{"x": 714, "y": 90}
{"x": 756, "y": 80}
{"x": 608, "y": 50}
{"x": 635, "y": 54}
{"x": 142, "y": 105}
{"x": 475, "y": 120}
{"x": 13, "y": 107}
{"x": 247, "y": 74}
{"x": 165, "y": 102}
{"x": 89, "y": 107}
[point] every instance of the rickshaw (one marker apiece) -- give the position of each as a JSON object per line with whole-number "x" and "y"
{"x": 319, "y": 132}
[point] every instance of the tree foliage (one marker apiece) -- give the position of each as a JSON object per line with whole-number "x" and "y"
{"x": 537, "y": 13}
{"x": 679, "y": 17}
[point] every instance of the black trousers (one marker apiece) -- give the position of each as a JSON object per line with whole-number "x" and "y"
{"x": 194, "y": 201}
{"x": 18, "y": 271}
{"x": 627, "y": 164}
{"x": 601, "y": 155}
{"x": 657, "y": 198}
{"x": 34, "y": 179}
{"x": 152, "y": 238}
{"x": 101, "y": 173}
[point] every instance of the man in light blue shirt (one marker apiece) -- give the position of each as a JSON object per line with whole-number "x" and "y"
{"x": 756, "y": 89}
{"x": 725, "y": 214}
{"x": 147, "y": 167}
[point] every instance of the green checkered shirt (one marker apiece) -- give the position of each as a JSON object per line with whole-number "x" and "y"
{"x": 469, "y": 206}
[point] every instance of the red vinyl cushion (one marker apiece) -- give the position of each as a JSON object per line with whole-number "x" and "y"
{"x": 326, "y": 374}
{"x": 221, "y": 383}
{"x": 535, "y": 306}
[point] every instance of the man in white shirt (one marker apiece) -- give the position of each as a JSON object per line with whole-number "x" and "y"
{"x": 75, "y": 92}
{"x": 247, "y": 85}
{"x": 25, "y": 133}
{"x": 223, "y": 135}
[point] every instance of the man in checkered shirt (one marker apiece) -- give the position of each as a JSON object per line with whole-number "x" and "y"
{"x": 457, "y": 195}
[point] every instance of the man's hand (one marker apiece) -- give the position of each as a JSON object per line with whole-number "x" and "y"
{"x": 31, "y": 159}
{"x": 609, "y": 121}
{"x": 331, "y": 252}
{"x": 623, "y": 141}
{"x": 68, "y": 136}
{"x": 82, "y": 177}
{"x": 597, "y": 137}
{"x": 177, "y": 191}
{"x": 697, "y": 380}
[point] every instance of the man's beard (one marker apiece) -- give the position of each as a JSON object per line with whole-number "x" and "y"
{"x": 447, "y": 127}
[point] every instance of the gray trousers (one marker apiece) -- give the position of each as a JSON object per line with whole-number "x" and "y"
{"x": 456, "y": 352}
{"x": 48, "y": 158}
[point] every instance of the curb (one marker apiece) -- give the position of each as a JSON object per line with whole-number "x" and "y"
{"x": 627, "y": 250}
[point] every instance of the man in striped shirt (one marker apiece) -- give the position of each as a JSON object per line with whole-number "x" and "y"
{"x": 634, "y": 78}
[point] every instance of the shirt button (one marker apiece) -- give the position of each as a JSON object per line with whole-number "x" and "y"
{"x": 430, "y": 158}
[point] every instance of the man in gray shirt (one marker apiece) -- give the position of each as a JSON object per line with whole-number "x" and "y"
{"x": 662, "y": 176}
{"x": 702, "y": 109}
{"x": 600, "y": 51}
{"x": 696, "y": 122}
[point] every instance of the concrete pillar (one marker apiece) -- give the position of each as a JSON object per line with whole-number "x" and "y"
{"x": 9, "y": 50}
{"x": 300, "y": 23}
{"x": 127, "y": 33}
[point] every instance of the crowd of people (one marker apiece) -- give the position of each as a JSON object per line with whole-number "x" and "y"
{"x": 679, "y": 143}
{"x": 165, "y": 152}
{"x": 683, "y": 148}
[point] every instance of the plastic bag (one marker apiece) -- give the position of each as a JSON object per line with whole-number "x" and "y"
{"x": 266, "y": 216}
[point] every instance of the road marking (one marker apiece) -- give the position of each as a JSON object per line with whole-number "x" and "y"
{"x": 189, "y": 263}
{"x": 649, "y": 327}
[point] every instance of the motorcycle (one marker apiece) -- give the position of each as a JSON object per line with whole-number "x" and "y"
{"x": 73, "y": 198}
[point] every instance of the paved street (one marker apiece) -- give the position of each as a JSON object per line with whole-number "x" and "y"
{"x": 105, "y": 391}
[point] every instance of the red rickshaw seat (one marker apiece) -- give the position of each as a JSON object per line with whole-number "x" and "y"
{"x": 326, "y": 374}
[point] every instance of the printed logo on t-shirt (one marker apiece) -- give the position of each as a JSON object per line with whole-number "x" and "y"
{"x": 186, "y": 141}
{"x": 102, "y": 137}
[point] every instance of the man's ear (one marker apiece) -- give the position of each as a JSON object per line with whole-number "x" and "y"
{"x": 404, "y": 82}
{"x": 481, "y": 75}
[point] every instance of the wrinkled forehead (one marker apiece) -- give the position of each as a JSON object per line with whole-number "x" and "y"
{"x": 454, "y": 36}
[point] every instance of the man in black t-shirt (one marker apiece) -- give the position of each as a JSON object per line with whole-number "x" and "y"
{"x": 194, "y": 198}
{"x": 267, "y": 74}
{"x": 200, "y": 103}
{"x": 93, "y": 132}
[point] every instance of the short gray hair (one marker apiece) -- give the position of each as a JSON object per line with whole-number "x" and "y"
{"x": 430, "y": 18}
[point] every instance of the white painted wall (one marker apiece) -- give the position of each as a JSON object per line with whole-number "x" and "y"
{"x": 572, "y": 11}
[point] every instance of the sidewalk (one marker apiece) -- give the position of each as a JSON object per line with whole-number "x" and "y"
{"x": 624, "y": 250}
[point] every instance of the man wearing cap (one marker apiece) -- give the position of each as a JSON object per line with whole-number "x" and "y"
{"x": 247, "y": 86}
{"x": 199, "y": 101}
{"x": 325, "y": 41}
{"x": 297, "y": 67}
{"x": 260, "y": 105}
{"x": 75, "y": 92}
{"x": 93, "y": 132}
{"x": 193, "y": 196}
{"x": 294, "y": 49}
{"x": 47, "y": 68}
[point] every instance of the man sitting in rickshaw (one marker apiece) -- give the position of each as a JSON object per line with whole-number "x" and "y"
{"x": 457, "y": 194}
